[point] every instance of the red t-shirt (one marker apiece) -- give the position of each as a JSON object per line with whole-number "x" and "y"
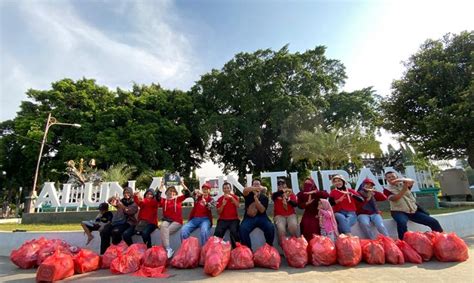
{"x": 230, "y": 209}
{"x": 200, "y": 207}
{"x": 347, "y": 203}
{"x": 148, "y": 209}
{"x": 173, "y": 208}
{"x": 278, "y": 208}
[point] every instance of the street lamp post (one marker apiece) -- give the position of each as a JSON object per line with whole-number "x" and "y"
{"x": 49, "y": 122}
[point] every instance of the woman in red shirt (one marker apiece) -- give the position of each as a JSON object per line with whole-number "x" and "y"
{"x": 200, "y": 216}
{"x": 227, "y": 206}
{"x": 308, "y": 200}
{"x": 172, "y": 220}
{"x": 147, "y": 218}
{"x": 343, "y": 201}
{"x": 284, "y": 210}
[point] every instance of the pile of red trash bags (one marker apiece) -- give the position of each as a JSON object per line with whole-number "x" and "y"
{"x": 57, "y": 260}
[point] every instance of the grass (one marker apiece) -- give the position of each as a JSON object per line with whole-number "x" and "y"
{"x": 77, "y": 227}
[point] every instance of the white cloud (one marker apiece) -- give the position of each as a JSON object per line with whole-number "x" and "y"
{"x": 66, "y": 45}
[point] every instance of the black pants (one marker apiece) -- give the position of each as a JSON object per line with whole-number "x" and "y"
{"x": 231, "y": 225}
{"x": 146, "y": 234}
{"x": 114, "y": 231}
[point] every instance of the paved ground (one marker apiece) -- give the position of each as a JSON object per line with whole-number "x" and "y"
{"x": 432, "y": 271}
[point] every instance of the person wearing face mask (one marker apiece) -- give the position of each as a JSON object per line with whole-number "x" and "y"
{"x": 227, "y": 206}
{"x": 147, "y": 217}
{"x": 284, "y": 213}
{"x": 344, "y": 201}
{"x": 172, "y": 220}
{"x": 368, "y": 212}
{"x": 200, "y": 216}
{"x": 256, "y": 204}
{"x": 403, "y": 206}
{"x": 123, "y": 218}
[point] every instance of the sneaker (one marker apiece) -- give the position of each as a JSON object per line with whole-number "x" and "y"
{"x": 169, "y": 252}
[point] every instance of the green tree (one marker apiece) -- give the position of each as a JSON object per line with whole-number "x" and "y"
{"x": 249, "y": 102}
{"x": 432, "y": 105}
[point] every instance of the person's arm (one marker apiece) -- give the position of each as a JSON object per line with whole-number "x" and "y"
{"x": 248, "y": 190}
{"x": 221, "y": 202}
{"x": 378, "y": 196}
{"x": 355, "y": 195}
{"x": 129, "y": 210}
{"x": 399, "y": 195}
{"x": 292, "y": 200}
{"x": 235, "y": 200}
{"x": 261, "y": 207}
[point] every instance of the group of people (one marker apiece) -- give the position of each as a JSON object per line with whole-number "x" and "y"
{"x": 328, "y": 214}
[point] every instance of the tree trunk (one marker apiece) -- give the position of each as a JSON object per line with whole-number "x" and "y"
{"x": 470, "y": 155}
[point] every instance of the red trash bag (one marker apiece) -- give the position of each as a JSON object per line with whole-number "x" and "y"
{"x": 323, "y": 251}
{"x": 241, "y": 257}
{"x": 393, "y": 254}
{"x": 86, "y": 261}
{"x": 296, "y": 251}
{"x": 125, "y": 264}
{"x": 449, "y": 247}
{"x": 153, "y": 272}
{"x": 349, "y": 251}
{"x": 373, "y": 252}
{"x": 49, "y": 248}
{"x": 137, "y": 250}
{"x": 27, "y": 254}
{"x": 212, "y": 241}
{"x": 155, "y": 257}
{"x": 431, "y": 235}
{"x": 113, "y": 252}
{"x": 409, "y": 253}
{"x": 420, "y": 243}
{"x": 217, "y": 258}
{"x": 187, "y": 256}
{"x": 56, "y": 267}
{"x": 267, "y": 256}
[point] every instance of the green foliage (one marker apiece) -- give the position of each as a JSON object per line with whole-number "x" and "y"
{"x": 432, "y": 105}
{"x": 146, "y": 177}
{"x": 120, "y": 173}
{"x": 333, "y": 149}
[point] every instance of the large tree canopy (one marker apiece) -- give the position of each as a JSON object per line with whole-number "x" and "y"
{"x": 258, "y": 102}
{"x": 147, "y": 127}
{"x": 432, "y": 105}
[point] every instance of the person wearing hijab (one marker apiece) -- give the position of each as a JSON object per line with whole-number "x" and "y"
{"x": 172, "y": 220}
{"x": 367, "y": 211}
{"x": 327, "y": 220}
{"x": 123, "y": 218}
{"x": 308, "y": 200}
{"x": 147, "y": 217}
{"x": 344, "y": 201}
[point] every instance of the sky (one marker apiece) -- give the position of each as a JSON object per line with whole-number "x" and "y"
{"x": 173, "y": 43}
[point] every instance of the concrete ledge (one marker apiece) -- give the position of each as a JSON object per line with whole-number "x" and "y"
{"x": 459, "y": 222}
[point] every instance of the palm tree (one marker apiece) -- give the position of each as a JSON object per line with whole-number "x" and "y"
{"x": 119, "y": 172}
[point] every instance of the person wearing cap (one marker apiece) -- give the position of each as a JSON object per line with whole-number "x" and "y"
{"x": 147, "y": 217}
{"x": 403, "y": 206}
{"x": 227, "y": 206}
{"x": 344, "y": 201}
{"x": 256, "y": 204}
{"x": 367, "y": 211}
{"x": 308, "y": 199}
{"x": 172, "y": 220}
{"x": 123, "y": 218}
{"x": 200, "y": 216}
{"x": 103, "y": 218}
{"x": 284, "y": 215}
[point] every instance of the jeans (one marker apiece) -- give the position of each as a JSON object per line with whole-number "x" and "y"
{"x": 146, "y": 234}
{"x": 418, "y": 217}
{"x": 345, "y": 220}
{"x": 111, "y": 231}
{"x": 231, "y": 225}
{"x": 364, "y": 223}
{"x": 259, "y": 221}
{"x": 197, "y": 222}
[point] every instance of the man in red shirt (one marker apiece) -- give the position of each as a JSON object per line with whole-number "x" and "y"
{"x": 200, "y": 216}
{"x": 284, "y": 210}
{"x": 227, "y": 206}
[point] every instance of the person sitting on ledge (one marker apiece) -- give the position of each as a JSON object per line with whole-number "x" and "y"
{"x": 227, "y": 206}
{"x": 123, "y": 218}
{"x": 284, "y": 214}
{"x": 403, "y": 206}
{"x": 172, "y": 219}
{"x": 368, "y": 212}
{"x": 200, "y": 216}
{"x": 103, "y": 218}
{"x": 256, "y": 204}
{"x": 147, "y": 217}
